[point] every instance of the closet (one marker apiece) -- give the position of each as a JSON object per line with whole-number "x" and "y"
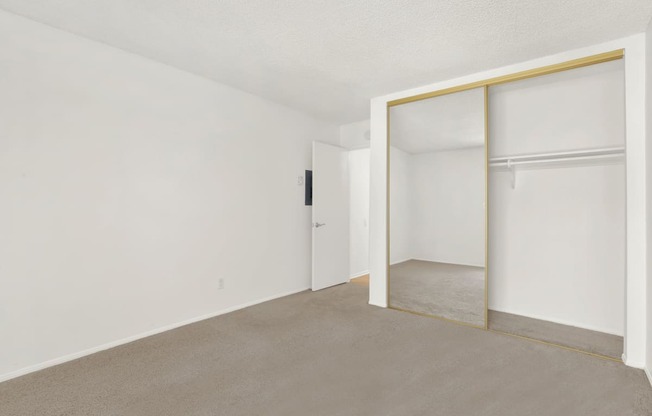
{"x": 507, "y": 205}
{"x": 557, "y": 208}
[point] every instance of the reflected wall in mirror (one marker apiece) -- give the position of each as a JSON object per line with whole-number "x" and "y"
{"x": 437, "y": 189}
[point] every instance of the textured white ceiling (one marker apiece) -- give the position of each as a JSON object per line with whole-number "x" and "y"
{"x": 448, "y": 122}
{"x": 328, "y": 57}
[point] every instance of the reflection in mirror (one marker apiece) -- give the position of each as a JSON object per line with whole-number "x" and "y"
{"x": 437, "y": 218}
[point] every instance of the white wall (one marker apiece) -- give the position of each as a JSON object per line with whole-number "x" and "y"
{"x": 359, "y": 212}
{"x": 355, "y": 135}
{"x": 570, "y": 110}
{"x": 400, "y": 206}
{"x": 557, "y": 241}
{"x": 437, "y": 206}
{"x": 448, "y": 197}
{"x": 648, "y": 84}
{"x": 557, "y": 245}
{"x": 636, "y": 240}
{"x": 130, "y": 188}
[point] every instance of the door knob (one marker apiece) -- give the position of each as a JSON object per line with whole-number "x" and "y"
{"x": 317, "y": 224}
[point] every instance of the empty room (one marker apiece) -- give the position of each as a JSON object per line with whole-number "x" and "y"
{"x": 288, "y": 207}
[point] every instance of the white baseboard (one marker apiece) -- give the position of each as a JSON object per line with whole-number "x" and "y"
{"x": 112, "y": 344}
{"x": 649, "y": 376}
{"x": 359, "y": 274}
{"x": 401, "y": 261}
{"x": 435, "y": 261}
{"x": 448, "y": 262}
{"x": 634, "y": 364}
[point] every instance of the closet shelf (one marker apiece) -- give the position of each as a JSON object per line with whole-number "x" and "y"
{"x": 510, "y": 162}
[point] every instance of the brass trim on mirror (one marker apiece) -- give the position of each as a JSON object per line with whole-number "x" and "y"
{"x": 441, "y": 318}
{"x": 564, "y": 347}
{"x": 517, "y": 76}
{"x": 387, "y": 213}
{"x": 485, "y": 84}
{"x": 486, "y": 207}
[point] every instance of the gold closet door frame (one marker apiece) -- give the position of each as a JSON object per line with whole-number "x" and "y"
{"x": 485, "y": 84}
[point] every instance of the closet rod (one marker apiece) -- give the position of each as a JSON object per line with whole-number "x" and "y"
{"x": 510, "y": 162}
{"x": 590, "y": 154}
{"x": 554, "y": 160}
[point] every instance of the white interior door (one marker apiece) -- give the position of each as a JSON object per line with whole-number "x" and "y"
{"x": 330, "y": 216}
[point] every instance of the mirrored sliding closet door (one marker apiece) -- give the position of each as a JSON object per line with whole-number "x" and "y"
{"x": 437, "y": 207}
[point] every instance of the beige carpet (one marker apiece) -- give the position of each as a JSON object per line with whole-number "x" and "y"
{"x": 330, "y": 353}
{"x": 446, "y": 290}
{"x": 569, "y": 336}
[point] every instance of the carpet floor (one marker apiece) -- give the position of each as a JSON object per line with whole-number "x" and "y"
{"x": 449, "y": 291}
{"x": 330, "y": 353}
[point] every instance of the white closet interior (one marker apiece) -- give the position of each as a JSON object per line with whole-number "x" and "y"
{"x": 556, "y": 245}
